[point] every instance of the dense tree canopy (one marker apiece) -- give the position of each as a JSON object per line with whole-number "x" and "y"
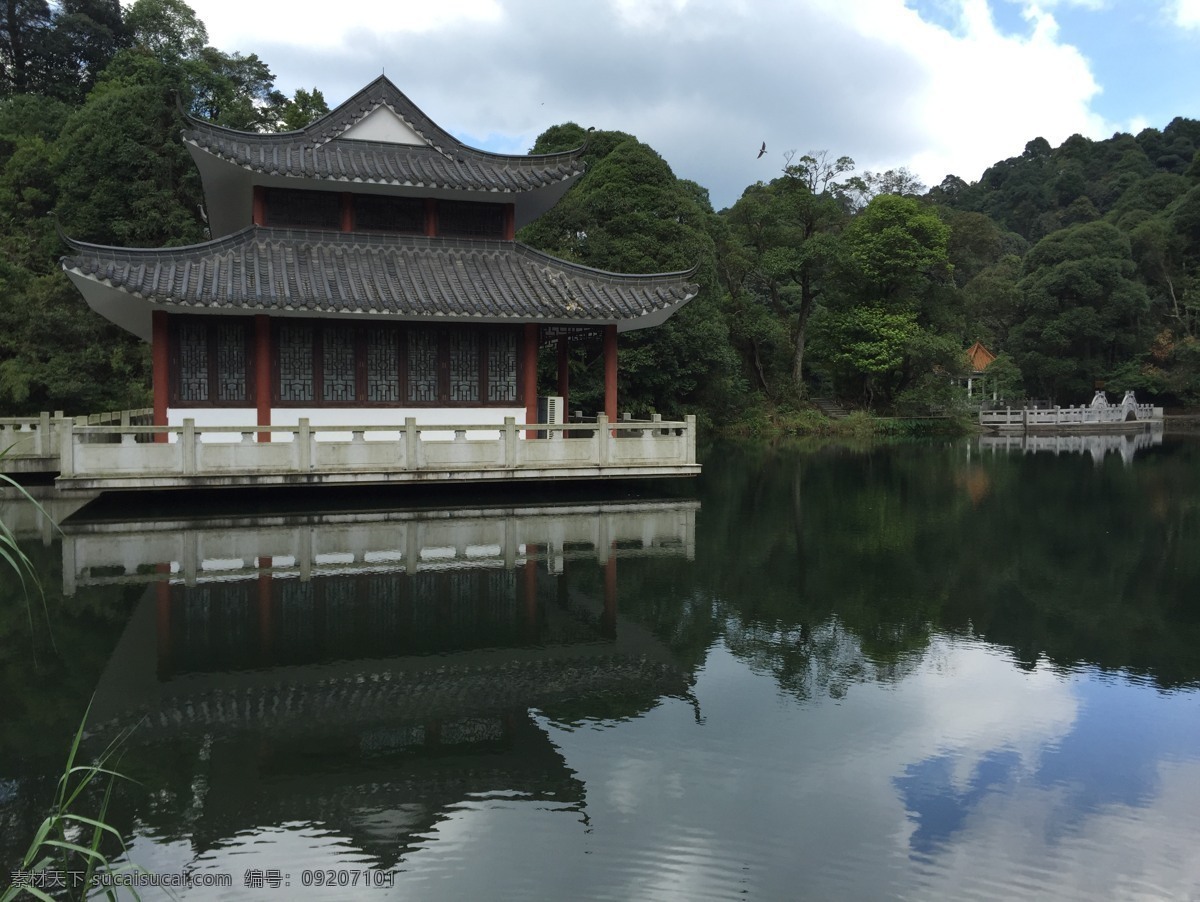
{"x": 89, "y": 132}
{"x": 629, "y": 213}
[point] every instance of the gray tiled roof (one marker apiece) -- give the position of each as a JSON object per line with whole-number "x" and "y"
{"x": 277, "y": 270}
{"x": 317, "y": 152}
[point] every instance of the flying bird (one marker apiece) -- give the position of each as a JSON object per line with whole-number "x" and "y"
{"x": 762, "y": 150}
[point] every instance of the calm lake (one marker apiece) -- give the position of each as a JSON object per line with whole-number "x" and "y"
{"x": 946, "y": 670}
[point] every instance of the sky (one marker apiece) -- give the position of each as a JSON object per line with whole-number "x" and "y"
{"x": 939, "y": 86}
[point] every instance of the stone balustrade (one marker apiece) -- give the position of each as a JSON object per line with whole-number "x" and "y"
{"x": 106, "y": 458}
{"x": 1025, "y": 418}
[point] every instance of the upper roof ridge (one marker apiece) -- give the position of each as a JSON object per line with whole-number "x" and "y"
{"x": 380, "y": 92}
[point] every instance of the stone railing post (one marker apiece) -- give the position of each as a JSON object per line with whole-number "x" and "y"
{"x": 42, "y": 442}
{"x": 412, "y": 444}
{"x": 66, "y": 447}
{"x": 602, "y": 439}
{"x": 187, "y": 447}
{"x": 690, "y": 419}
{"x": 304, "y": 438}
{"x": 508, "y": 443}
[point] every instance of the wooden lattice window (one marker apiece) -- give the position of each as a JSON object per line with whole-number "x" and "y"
{"x": 389, "y": 214}
{"x": 295, "y": 209}
{"x": 337, "y": 364}
{"x": 294, "y": 353}
{"x": 338, "y": 373}
{"x": 383, "y": 366}
{"x": 502, "y": 367}
{"x": 463, "y": 366}
{"x": 210, "y": 362}
{"x": 467, "y": 219}
{"x": 232, "y": 374}
{"x": 192, "y": 370}
{"x": 422, "y": 365}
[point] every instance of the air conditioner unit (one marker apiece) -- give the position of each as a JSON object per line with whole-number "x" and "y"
{"x": 554, "y": 409}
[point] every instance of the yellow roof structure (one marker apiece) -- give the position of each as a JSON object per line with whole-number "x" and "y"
{"x": 979, "y": 357}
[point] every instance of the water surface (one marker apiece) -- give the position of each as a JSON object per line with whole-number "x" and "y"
{"x": 937, "y": 670}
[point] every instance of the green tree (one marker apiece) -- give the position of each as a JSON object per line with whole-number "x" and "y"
{"x": 629, "y": 213}
{"x": 784, "y": 241}
{"x": 23, "y": 24}
{"x": 83, "y": 38}
{"x": 1079, "y": 310}
{"x": 126, "y": 177}
{"x": 885, "y": 332}
{"x": 991, "y": 301}
{"x": 169, "y": 29}
{"x": 303, "y": 107}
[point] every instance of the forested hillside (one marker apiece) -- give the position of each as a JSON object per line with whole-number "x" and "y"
{"x": 1077, "y": 264}
{"x": 89, "y": 136}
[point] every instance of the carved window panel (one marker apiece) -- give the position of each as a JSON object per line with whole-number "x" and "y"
{"x": 502, "y": 367}
{"x": 464, "y": 365}
{"x": 422, "y": 366}
{"x": 210, "y": 362}
{"x": 322, "y": 363}
{"x": 337, "y": 363}
{"x": 295, "y": 362}
{"x": 383, "y": 366}
{"x": 193, "y": 362}
{"x": 232, "y": 364}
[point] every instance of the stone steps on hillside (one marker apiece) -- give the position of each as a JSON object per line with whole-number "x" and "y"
{"x": 831, "y": 408}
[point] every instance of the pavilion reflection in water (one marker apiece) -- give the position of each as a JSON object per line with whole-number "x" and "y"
{"x": 368, "y": 672}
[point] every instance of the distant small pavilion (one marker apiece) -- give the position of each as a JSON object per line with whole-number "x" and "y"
{"x": 980, "y": 358}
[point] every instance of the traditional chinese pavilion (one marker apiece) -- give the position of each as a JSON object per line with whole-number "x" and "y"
{"x": 362, "y": 270}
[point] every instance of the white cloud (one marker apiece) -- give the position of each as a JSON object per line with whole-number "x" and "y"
{"x": 984, "y": 94}
{"x": 244, "y": 26}
{"x": 1048, "y": 4}
{"x": 704, "y": 82}
{"x": 1187, "y": 13}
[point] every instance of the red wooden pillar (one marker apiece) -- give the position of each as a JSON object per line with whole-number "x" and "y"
{"x": 347, "y": 212}
{"x": 610, "y": 372}
{"x": 510, "y": 222}
{"x": 260, "y": 206}
{"x": 262, "y": 372}
{"x": 430, "y": 217}
{"x": 564, "y": 382}
{"x": 160, "y": 368}
{"x": 529, "y": 376}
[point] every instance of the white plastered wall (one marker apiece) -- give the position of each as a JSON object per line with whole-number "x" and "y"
{"x": 349, "y": 416}
{"x": 381, "y": 124}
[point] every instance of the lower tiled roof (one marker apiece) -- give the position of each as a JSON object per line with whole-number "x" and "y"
{"x": 284, "y": 270}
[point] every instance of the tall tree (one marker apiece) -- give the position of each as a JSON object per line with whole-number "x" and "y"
{"x": 1079, "y": 310}
{"x": 881, "y": 333}
{"x": 57, "y": 50}
{"x": 786, "y": 232}
{"x": 629, "y": 213}
{"x": 21, "y": 31}
{"x": 169, "y": 29}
